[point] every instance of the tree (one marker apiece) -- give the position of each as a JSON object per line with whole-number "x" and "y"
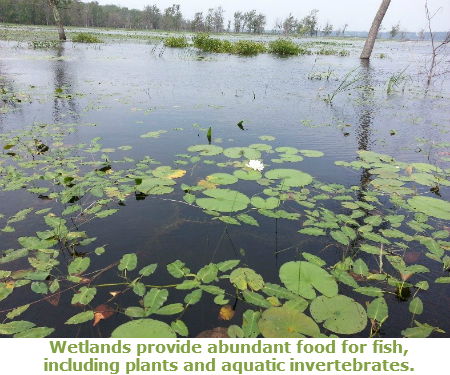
{"x": 238, "y": 20}
{"x": 290, "y": 24}
{"x": 370, "y": 42}
{"x": 198, "y": 24}
{"x": 328, "y": 29}
{"x": 438, "y": 50}
{"x": 308, "y": 25}
{"x": 394, "y": 30}
{"x": 54, "y": 4}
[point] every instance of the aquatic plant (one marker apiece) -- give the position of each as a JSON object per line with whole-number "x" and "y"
{"x": 249, "y": 48}
{"x": 286, "y": 47}
{"x": 176, "y": 42}
{"x": 396, "y": 80}
{"x": 348, "y": 82}
{"x": 44, "y": 44}
{"x": 308, "y": 298}
{"x": 86, "y": 38}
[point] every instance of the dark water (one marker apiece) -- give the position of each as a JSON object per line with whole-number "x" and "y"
{"x": 127, "y": 90}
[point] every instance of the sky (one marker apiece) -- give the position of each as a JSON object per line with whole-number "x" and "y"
{"x": 358, "y": 14}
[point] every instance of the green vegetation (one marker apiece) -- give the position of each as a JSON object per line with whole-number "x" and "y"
{"x": 286, "y": 47}
{"x": 332, "y": 51}
{"x": 176, "y": 42}
{"x": 84, "y": 183}
{"x": 242, "y": 47}
{"x": 86, "y": 38}
{"x": 44, "y": 44}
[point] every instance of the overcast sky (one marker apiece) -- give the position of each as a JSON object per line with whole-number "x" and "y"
{"x": 358, "y": 14}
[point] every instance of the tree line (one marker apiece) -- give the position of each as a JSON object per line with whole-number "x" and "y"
{"x": 92, "y": 14}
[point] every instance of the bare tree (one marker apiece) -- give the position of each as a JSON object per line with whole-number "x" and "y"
{"x": 55, "y": 4}
{"x": 438, "y": 51}
{"x": 370, "y": 42}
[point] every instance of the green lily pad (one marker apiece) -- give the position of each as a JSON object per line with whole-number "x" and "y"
{"x": 312, "y": 153}
{"x": 251, "y": 175}
{"x": 206, "y": 150}
{"x": 267, "y": 204}
{"x": 222, "y": 178}
{"x": 290, "y": 177}
{"x": 287, "y": 150}
{"x": 431, "y": 206}
{"x": 144, "y": 328}
{"x": 302, "y": 277}
{"x": 238, "y": 152}
{"x": 340, "y": 314}
{"x": 261, "y": 146}
{"x": 285, "y": 322}
{"x": 223, "y": 200}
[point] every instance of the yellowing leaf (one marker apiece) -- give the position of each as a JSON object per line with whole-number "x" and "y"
{"x": 177, "y": 174}
{"x": 226, "y": 313}
{"x": 206, "y": 184}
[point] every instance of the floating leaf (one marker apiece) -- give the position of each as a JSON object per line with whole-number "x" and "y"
{"x": 180, "y": 328}
{"x": 312, "y": 231}
{"x": 267, "y": 204}
{"x": 312, "y": 153}
{"x": 148, "y": 270}
{"x": 284, "y": 322}
{"x": 174, "y": 308}
{"x": 290, "y": 177}
{"x": 251, "y": 175}
{"x": 84, "y": 295}
{"x": 226, "y": 313}
{"x": 238, "y": 152}
{"x": 223, "y": 200}
{"x": 243, "y": 277}
{"x": 177, "y": 269}
{"x": 340, "y": 237}
{"x": 128, "y": 262}
{"x": 431, "y": 206}
{"x": 416, "y": 306}
{"x": 340, "y": 314}
{"x": 81, "y": 318}
{"x": 35, "y": 333}
{"x": 250, "y": 323}
{"x": 193, "y": 297}
{"x": 207, "y": 274}
{"x": 378, "y": 310}
{"x": 206, "y": 150}
{"x": 154, "y": 299}
{"x": 15, "y": 327}
{"x": 301, "y": 277}
{"x": 144, "y": 328}
{"x": 79, "y": 265}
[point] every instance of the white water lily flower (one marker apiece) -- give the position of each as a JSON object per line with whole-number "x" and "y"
{"x": 255, "y": 165}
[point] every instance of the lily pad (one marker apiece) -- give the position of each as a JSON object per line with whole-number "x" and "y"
{"x": 247, "y": 175}
{"x": 340, "y": 314}
{"x": 302, "y": 277}
{"x": 238, "y": 152}
{"x": 222, "y": 179}
{"x": 206, "y": 150}
{"x": 285, "y": 322}
{"x": 223, "y": 200}
{"x": 312, "y": 153}
{"x": 144, "y": 328}
{"x": 267, "y": 204}
{"x": 290, "y": 177}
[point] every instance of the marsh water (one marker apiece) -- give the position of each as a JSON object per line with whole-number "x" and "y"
{"x": 121, "y": 90}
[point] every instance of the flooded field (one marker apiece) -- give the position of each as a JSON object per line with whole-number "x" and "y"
{"x": 164, "y": 191}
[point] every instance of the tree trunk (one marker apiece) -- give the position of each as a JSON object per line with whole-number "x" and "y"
{"x": 62, "y": 34}
{"x": 368, "y": 47}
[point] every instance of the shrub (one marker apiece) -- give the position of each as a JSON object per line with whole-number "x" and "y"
{"x": 176, "y": 42}
{"x": 284, "y": 47}
{"x": 248, "y": 48}
{"x": 204, "y": 42}
{"x": 86, "y": 38}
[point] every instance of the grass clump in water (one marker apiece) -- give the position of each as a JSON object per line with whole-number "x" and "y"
{"x": 204, "y": 42}
{"x": 176, "y": 42}
{"x": 86, "y": 38}
{"x": 286, "y": 47}
{"x": 243, "y": 47}
{"x": 249, "y": 48}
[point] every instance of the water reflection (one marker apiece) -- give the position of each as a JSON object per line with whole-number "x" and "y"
{"x": 64, "y": 101}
